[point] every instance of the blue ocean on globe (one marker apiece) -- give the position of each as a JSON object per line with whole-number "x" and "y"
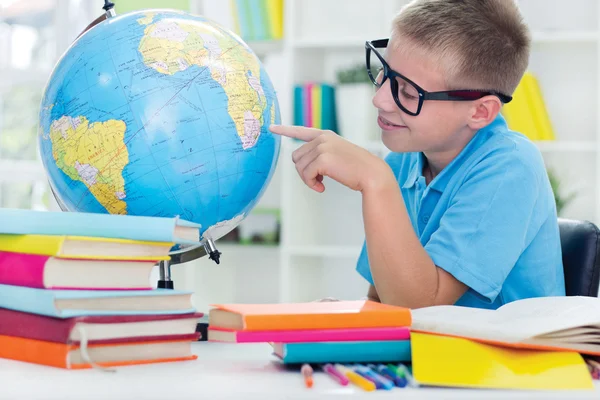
{"x": 160, "y": 113}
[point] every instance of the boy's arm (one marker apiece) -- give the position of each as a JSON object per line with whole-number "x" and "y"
{"x": 372, "y": 294}
{"x": 403, "y": 273}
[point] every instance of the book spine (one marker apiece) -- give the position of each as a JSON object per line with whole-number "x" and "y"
{"x": 37, "y": 327}
{"x": 347, "y": 352}
{"x": 30, "y": 300}
{"x": 151, "y": 229}
{"x": 44, "y": 245}
{"x": 22, "y": 269}
{"x": 329, "y": 335}
{"x": 34, "y": 351}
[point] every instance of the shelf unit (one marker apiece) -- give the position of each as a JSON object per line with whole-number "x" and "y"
{"x": 565, "y": 57}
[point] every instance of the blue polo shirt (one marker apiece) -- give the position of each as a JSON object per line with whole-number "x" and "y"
{"x": 489, "y": 218}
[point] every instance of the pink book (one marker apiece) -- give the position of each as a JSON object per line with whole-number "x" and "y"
{"x": 308, "y": 104}
{"x": 317, "y": 335}
{"x": 44, "y": 272}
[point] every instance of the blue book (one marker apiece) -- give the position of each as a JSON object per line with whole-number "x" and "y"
{"x": 152, "y": 229}
{"x": 344, "y": 352}
{"x": 77, "y": 303}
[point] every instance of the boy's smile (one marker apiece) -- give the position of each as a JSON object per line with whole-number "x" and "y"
{"x": 387, "y": 125}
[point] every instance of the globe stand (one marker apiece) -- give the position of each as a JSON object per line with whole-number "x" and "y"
{"x": 186, "y": 254}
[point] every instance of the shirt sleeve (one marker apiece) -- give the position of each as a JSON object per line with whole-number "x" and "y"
{"x": 487, "y": 224}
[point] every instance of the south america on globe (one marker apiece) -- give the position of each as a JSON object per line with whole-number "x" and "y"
{"x": 160, "y": 113}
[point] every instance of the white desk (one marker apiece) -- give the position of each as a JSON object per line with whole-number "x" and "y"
{"x": 235, "y": 371}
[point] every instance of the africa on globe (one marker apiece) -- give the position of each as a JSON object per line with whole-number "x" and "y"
{"x": 160, "y": 113}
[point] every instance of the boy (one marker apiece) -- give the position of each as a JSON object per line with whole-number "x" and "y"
{"x": 461, "y": 211}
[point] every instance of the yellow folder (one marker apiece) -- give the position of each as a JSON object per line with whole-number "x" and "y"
{"x": 519, "y": 113}
{"x": 457, "y": 362}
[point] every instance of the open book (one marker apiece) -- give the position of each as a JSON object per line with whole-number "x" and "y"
{"x": 560, "y": 323}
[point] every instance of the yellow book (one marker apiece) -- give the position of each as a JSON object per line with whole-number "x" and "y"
{"x": 317, "y": 108}
{"x": 518, "y": 113}
{"x": 540, "y": 112}
{"x": 275, "y": 13}
{"x": 235, "y": 16}
{"x": 80, "y": 247}
{"x": 457, "y": 362}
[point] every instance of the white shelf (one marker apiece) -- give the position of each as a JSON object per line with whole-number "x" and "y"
{"x": 265, "y": 47}
{"x": 12, "y": 77}
{"x": 359, "y": 42}
{"x": 324, "y": 251}
{"x": 345, "y": 43}
{"x": 556, "y": 146}
{"x": 22, "y": 171}
{"x": 565, "y": 37}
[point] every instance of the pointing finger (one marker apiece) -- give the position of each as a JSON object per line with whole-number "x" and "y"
{"x": 296, "y": 132}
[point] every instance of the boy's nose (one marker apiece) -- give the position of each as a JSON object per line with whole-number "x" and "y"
{"x": 383, "y": 99}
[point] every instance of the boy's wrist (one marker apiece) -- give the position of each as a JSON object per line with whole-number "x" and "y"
{"x": 379, "y": 179}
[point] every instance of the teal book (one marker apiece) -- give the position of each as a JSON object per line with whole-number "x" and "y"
{"x": 259, "y": 27}
{"x": 344, "y": 352}
{"x": 328, "y": 115}
{"x": 152, "y": 229}
{"x": 244, "y": 21}
{"x": 78, "y": 303}
{"x": 298, "y": 106}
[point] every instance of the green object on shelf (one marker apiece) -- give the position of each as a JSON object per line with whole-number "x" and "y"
{"x": 560, "y": 198}
{"x": 354, "y": 74}
{"x": 125, "y": 6}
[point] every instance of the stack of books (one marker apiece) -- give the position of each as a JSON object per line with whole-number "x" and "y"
{"x": 318, "y": 332}
{"x": 314, "y": 106}
{"x": 76, "y": 292}
{"x": 535, "y": 343}
{"x": 258, "y": 19}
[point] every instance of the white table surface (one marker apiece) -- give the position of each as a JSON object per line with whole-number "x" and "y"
{"x": 235, "y": 371}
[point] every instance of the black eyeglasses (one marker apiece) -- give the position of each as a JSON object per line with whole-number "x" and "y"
{"x": 408, "y": 95}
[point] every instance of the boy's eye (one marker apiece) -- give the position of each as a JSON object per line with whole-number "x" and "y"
{"x": 379, "y": 76}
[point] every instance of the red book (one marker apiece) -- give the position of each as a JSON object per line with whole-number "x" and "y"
{"x": 99, "y": 329}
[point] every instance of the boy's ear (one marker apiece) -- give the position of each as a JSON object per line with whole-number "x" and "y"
{"x": 484, "y": 111}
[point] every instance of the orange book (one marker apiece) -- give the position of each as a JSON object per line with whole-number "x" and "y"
{"x": 71, "y": 356}
{"x": 314, "y": 315}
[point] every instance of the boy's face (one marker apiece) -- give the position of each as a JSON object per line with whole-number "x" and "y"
{"x": 440, "y": 125}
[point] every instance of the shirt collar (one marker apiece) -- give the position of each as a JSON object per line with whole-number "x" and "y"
{"x": 440, "y": 182}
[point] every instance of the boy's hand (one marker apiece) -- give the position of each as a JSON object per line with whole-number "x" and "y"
{"x": 327, "y": 154}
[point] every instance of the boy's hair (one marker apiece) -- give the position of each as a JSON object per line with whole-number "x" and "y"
{"x": 480, "y": 44}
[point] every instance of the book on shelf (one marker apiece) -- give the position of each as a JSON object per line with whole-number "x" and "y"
{"x": 258, "y": 19}
{"x": 129, "y": 227}
{"x": 47, "y": 272}
{"x": 313, "y": 315}
{"x": 527, "y": 112}
{"x": 314, "y": 106}
{"x": 570, "y": 323}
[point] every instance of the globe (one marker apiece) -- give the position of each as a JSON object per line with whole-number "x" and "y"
{"x": 160, "y": 113}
